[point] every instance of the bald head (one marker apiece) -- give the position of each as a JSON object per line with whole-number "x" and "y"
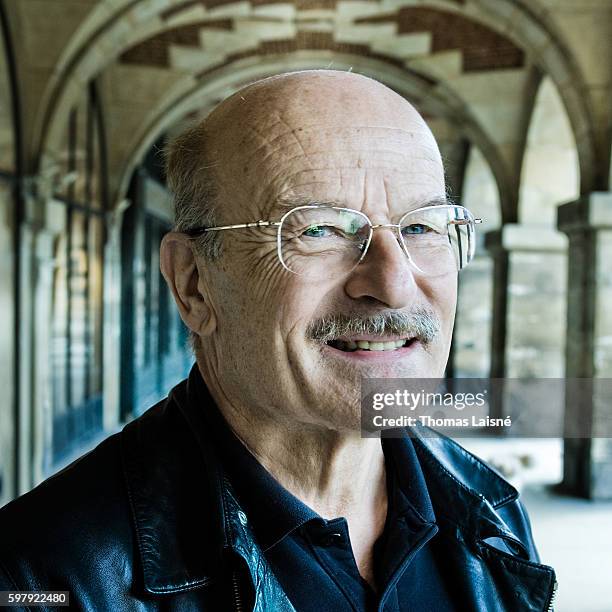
{"x": 292, "y": 109}
{"x": 321, "y": 97}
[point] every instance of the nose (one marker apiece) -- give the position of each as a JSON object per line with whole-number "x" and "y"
{"x": 385, "y": 273}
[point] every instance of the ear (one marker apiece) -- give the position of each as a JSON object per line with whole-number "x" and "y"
{"x": 179, "y": 266}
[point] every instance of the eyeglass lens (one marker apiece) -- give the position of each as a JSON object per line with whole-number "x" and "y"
{"x": 324, "y": 242}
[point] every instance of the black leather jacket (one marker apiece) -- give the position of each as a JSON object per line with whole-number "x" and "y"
{"x": 148, "y": 521}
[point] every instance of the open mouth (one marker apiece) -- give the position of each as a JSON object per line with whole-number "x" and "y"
{"x": 350, "y": 346}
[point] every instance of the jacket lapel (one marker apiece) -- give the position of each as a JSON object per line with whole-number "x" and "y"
{"x": 175, "y": 498}
{"x": 486, "y": 534}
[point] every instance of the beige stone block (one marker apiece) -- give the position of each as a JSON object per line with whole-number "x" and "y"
{"x": 388, "y": 6}
{"x": 402, "y": 47}
{"x": 533, "y": 238}
{"x": 347, "y": 32}
{"x": 284, "y": 11}
{"x": 190, "y": 15}
{"x": 149, "y": 10}
{"x": 235, "y": 9}
{"x": 123, "y": 31}
{"x": 446, "y": 65}
{"x": 264, "y": 30}
{"x": 222, "y": 43}
{"x": 196, "y": 60}
{"x": 315, "y": 15}
{"x": 349, "y": 11}
{"x": 315, "y": 26}
{"x": 93, "y": 62}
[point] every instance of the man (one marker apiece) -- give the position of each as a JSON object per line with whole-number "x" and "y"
{"x": 306, "y": 256}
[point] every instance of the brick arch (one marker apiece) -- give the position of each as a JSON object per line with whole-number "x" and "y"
{"x": 134, "y": 21}
{"x": 431, "y": 99}
{"x": 481, "y": 47}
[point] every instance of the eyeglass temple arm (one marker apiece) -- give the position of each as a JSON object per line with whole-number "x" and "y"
{"x": 197, "y": 231}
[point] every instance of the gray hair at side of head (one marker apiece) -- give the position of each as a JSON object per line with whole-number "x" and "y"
{"x": 191, "y": 178}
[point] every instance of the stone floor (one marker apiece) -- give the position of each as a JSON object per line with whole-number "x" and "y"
{"x": 573, "y": 535}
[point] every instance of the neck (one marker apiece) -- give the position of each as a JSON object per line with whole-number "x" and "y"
{"x": 334, "y": 473}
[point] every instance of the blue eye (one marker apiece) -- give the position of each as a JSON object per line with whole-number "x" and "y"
{"x": 317, "y": 231}
{"x": 415, "y": 229}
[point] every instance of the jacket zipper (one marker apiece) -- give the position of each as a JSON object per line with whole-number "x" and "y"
{"x": 550, "y": 607}
{"x": 236, "y": 592}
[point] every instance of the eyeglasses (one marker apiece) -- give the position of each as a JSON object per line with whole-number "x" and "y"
{"x": 329, "y": 241}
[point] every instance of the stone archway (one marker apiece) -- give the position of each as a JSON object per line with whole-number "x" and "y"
{"x": 103, "y": 37}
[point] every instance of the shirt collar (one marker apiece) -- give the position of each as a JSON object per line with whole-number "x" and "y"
{"x": 274, "y": 512}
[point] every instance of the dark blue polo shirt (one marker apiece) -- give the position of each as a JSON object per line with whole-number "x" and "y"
{"x": 312, "y": 557}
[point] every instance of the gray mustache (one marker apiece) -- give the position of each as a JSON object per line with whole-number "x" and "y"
{"x": 420, "y": 323}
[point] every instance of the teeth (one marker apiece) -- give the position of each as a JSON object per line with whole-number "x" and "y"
{"x": 368, "y": 346}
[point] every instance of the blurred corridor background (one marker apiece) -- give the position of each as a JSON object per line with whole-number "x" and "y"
{"x": 518, "y": 95}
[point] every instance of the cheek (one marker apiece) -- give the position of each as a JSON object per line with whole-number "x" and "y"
{"x": 441, "y": 294}
{"x": 261, "y": 274}
{"x": 266, "y": 299}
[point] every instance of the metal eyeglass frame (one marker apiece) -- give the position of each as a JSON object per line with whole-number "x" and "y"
{"x": 198, "y": 231}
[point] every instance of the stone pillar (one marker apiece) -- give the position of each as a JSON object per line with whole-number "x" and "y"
{"x": 112, "y": 317}
{"x": 8, "y": 426}
{"x": 37, "y": 263}
{"x": 587, "y": 466}
{"x": 528, "y": 332}
{"x": 26, "y": 358}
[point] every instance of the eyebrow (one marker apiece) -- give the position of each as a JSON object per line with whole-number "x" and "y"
{"x": 284, "y": 204}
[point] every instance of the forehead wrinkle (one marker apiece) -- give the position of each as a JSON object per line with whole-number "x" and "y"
{"x": 379, "y": 164}
{"x": 382, "y": 164}
{"x": 428, "y": 154}
{"x": 333, "y": 136}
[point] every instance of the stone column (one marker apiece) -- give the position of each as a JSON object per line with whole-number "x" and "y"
{"x": 528, "y": 332}
{"x": 587, "y": 466}
{"x": 112, "y": 317}
{"x": 36, "y": 283}
{"x": 8, "y": 426}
